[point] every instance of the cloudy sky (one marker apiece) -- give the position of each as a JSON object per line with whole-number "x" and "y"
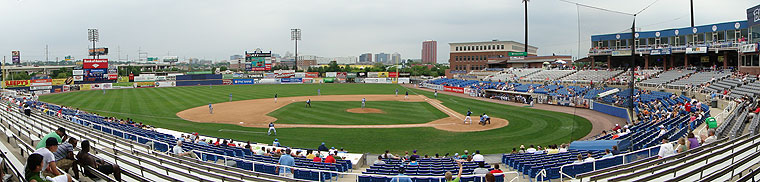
{"x": 216, "y": 29}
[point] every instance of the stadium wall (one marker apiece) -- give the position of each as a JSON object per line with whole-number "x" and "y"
{"x": 611, "y": 110}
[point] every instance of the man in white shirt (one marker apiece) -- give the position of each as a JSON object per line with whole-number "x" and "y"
{"x": 530, "y": 150}
{"x": 666, "y": 149}
{"x": 589, "y": 158}
{"x": 477, "y": 157}
{"x": 663, "y": 131}
{"x": 48, "y": 159}
{"x": 711, "y": 137}
{"x": 179, "y": 152}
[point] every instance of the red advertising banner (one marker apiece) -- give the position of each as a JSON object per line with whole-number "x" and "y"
{"x": 393, "y": 74}
{"x": 341, "y": 74}
{"x": 453, "y": 89}
{"x": 94, "y": 63}
{"x": 312, "y": 74}
{"x": 268, "y": 67}
{"x": 113, "y": 76}
{"x": 226, "y": 82}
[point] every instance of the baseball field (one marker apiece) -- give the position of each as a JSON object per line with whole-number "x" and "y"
{"x": 388, "y": 122}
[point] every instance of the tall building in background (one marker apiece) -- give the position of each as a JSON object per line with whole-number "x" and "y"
{"x": 429, "y": 51}
{"x": 382, "y": 58}
{"x": 395, "y": 58}
{"x": 236, "y": 56}
{"x": 365, "y": 58}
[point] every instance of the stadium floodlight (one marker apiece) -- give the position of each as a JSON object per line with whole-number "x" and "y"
{"x": 295, "y": 35}
{"x": 92, "y": 35}
{"x": 526, "y": 26}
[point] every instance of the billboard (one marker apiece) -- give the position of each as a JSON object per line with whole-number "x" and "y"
{"x": 621, "y": 53}
{"x": 242, "y": 82}
{"x": 166, "y": 84}
{"x": 453, "y": 89}
{"x": 16, "y": 57}
{"x": 696, "y": 50}
{"x": 78, "y": 72}
{"x": 753, "y": 16}
{"x": 98, "y": 51}
{"x": 78, "y": 78}
{"x": 291, "y": 80}
{"x": 16, "y": 83}
{"x": 393, "y": 74}
{"x": 41, "y": 82}
{"x": 312, "y": 74}
{"x": 659, "y": 52}
{"x": 227, "y": 82}
{"x": 382, "y": 74}
{"x": 257, "y": 60}
{"x": 94, "y": 63}
{"x": 331, "y": 74}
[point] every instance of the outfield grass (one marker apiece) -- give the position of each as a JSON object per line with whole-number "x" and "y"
{"x": 158, "y": 107}
{"x": 334, "y": 112}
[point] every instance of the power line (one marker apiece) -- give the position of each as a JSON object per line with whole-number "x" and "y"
{"x": 646, "y": 7}
{"x": 598, "y": 8}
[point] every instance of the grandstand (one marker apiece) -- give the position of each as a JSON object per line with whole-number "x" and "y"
{"x": 666, "y": 77}
{"x": 586, "y": 76}
{"x": 515, "y": 74}
{"x": 624, "y": 77}
{"x": 548, "y": 75}
{"x": 700, "y": 78}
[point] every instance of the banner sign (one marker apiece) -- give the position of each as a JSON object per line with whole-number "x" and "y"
{"x": 696, "y": 50}
{"x": 16, "y": 57}
{"x": 753, "y": 16}
{"x": 226, "y": 82}
{"x": 393, "y": 74}
{"x": 78, "y": 78}
{"x": 328, "y": 80}
{"x": 41, "y": 87}
{"x": 94, "y": 63}
{"x": 621, "y": 53}
{"x": 166, "y": 84}
{"x": 242, "y": 82}
{"x": 330, "y": 74}
{"x": 382, "y": 74}
{"x": 748, "y": 48}
{"x": 41, "y": 82}
{"x": 312, "y": 74}
{"x": 78, "y": 72}
{"x": 113, "y": 76}
{"x": 300, "y": 75}
{"x": 66, "y": 88}
{"x": 376, "y": 80}
{"x": 60, "y": 81}
{"x": 99, "y": 51}
{"x": 659, "y": 52}
{"x": 404, "y": 80}
{"x": 372, "y": 74}
{"x": 351, "y": 75}
{"x": 291, "y": 80}
{"x": 145, "y": 78}
{"x": 453, "y": 89}
{"x": 341, "y": 75}
{"x": 16, "y": 83}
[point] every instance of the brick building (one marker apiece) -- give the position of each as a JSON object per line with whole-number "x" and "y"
{"x": 467, "y": 56}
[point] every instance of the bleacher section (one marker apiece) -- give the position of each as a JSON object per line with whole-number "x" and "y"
{"x": 667, "y": 77}
{"x": 548, "y": 75}
{"x": 586, "y": 76}
{"x": 700, "y": 78}
{"x": 515, "y": 74}
{"x": 640, "y": 75}
{"x": 426, "y": 170}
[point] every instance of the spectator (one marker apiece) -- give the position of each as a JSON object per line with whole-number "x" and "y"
{"x": 34, "y": 168}
{"x": 276, "y": 143}
{"x": 401, "y": 177}
{"x": 379, "y": 161}
{"x": 522, "y": 149}
{"x": 514, "y": 151}
{"x": 465, "y": 155}
{"x": 482, "y": 169}
{"x": 477, "y": 157}
{"x": 57, "y": 134}
{"x": 286, "y": 160}
{"x": 178, "y": 151}
{"x": 49, "y": 166}
{"x": 490, "y": 177}
{"x": 666, "y": 149}
{"x": 64, "y": 157}
{"x": 311, "y": 155}
{"x": 413, "y": 161}
{"x": 388, "y": 155}
{"x": 496, "y": 169}
{"x": 449, "y": 177}
{"x": 615, "y": 150}
{"x": 711, "y": 137}
{"x": 530, "y": 150}
{"x": 607, "y": 153}
{"x": 663, "y": 131}
{"x": 85, "y": 160}
{"x": 563, "y": 148}
{"x": 552, "y": 149}
{"x": 682, "y": 147}
{"x": 317, "y": 158}
{"x": 693, "y": 141}
{"x": 414, "y": 154}
{"x": 589, "y": 158}
{"x": 406, "y": 156}
{"x": 580, "y": 159}
{"x": 330, "y": 158}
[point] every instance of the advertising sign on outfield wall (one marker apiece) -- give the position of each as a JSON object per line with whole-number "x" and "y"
{"x": 78, "y": 78}
{"x": 341, "y": 75}
{"x": 59, "y": 81}
{"x": 95, "y": 63}
{"x": 41, "y": 82}
{"x": 312, "y": 74}
{"x": 371, "y": 74}
{"x": 166, "y": 84}
{"x": 453, "y": 89}
{"x": 17, "y": 83}
{"x": 291, "y": 80}
{"x": 242, "y": 82}
{"x": 300, "y": 75}
{"x": 375, "y": 80}
{"x": 404, "y": 80}
{"x": 330, "y": 74}
{"x": 77, "y": 72}
{"x": 227, "y": 82}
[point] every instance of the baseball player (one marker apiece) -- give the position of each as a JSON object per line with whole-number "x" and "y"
{"x": 363, "y": 101}
{"x": 396, "y": 92}
{"x": 210, "y": 109}
{"x": 319, "y": 91}
{"x": 308, "y": 103}
{"x": 406, "y": 96}
{"x": 271, "y": 128}
{"x": 486, "y": 119}
{"x": 467, "y": 117}
{"x": 275, "y": 98}
{"x": 230, "y": 97}
{"x": 435, "y": 94}
{"x": 276, "y": 143}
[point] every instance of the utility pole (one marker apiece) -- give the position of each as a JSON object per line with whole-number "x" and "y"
{"x": 632, "y": 83}
{"x": 526, "y": 26}
{"x": 47, "y": 59}
{"x": 295, "y": 34}
{"x": 692, "y": 12}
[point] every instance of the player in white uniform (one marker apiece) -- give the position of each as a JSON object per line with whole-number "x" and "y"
{"x": 467, "y": 117}
{"x": 363, "y": 101}
{"x": 271, "y": 128}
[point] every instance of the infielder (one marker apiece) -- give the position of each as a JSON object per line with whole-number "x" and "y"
{"x": 319, "y": 91}
{"x": 467, "y": 117}
{"x": 308, "y": 103}
{"x": 406, "y": 96}
{"x": 230, "y": 97}
{"x": 271, "y": 128}
{"x": 396, "y": 92}
{"x": 275, "y": 98}
{"x": 363, "y": 101}
{"x": 210, "y": 109}
{"x": 435, "y": 94}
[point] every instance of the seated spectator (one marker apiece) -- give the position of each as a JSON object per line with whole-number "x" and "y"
{"x": 496, "y": 169}
{"x": 311, "y": 155}
{"x": 607, "y": 153}
{"x": 178, "y": 151}
{"x": 615, "y": 150}
{"x": 682, "y": 146}
{"x": 477, "y": 157}
{"x": 64, "y": 157}
{"x": 531, "y": 150}
{"x": 563, "y": 148}
{"x": 666, "y": 149}
{"x": 414, "y": 154}
{"x": 286, "y": 160}
{"x": 482, "y": 169}
{"x": 330, "y": 158}
{"x": 552, "y": 149}
{"x": 693, "y": 141}
{"x": 413, "y": 161}
{"x": 322, "y": 147}
{"x": 317, "y": 158}
{"x": 49, "y": 167}
{"x": 490, "y": 177}
{"x": 465, "y": 155}
{"x": 401, "y": 177}
{"x": 711, "y": 136}
{"x": 57, "y": 134}
{"x": 388, "y": 155}
{"x": 514, "y": 151}
{"x": 589, "y": 158}
{"x": 379, "y": 161}
{"x": 522, "y": 149}
{"x": 580, "y": 159}
{"x": 34, "y": 168}
{"x": 85, "y": 160}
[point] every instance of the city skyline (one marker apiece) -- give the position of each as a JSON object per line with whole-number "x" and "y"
{"x": 165, "y": 28}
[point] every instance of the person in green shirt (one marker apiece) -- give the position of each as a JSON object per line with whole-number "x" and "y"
{"x": 459, "y": 174}
{"x": 57, "y": 134}
{"x": 33, "y": 171}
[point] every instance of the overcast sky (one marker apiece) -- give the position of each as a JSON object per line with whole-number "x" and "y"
{"x": 216, "y": 29}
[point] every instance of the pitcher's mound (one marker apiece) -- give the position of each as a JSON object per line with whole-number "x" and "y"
{"x": 365, "y": 110}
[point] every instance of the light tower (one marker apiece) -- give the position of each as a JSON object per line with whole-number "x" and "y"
{"x": 92, "y": 35}
{"x": 295, "y": 34}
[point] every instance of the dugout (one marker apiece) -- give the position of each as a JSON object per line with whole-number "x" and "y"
{"x": 521, "y": 97}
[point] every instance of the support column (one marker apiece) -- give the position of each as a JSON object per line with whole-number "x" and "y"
{"x": 646, "y": 62}
{"x": 592, "y": 62}
{"x": 609, "y": 62}
{"x": 725, "y": 59}
{"x": 671, "y": 60}
{"x": 664, "y": 62}
{"x": 685, "y": 60}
